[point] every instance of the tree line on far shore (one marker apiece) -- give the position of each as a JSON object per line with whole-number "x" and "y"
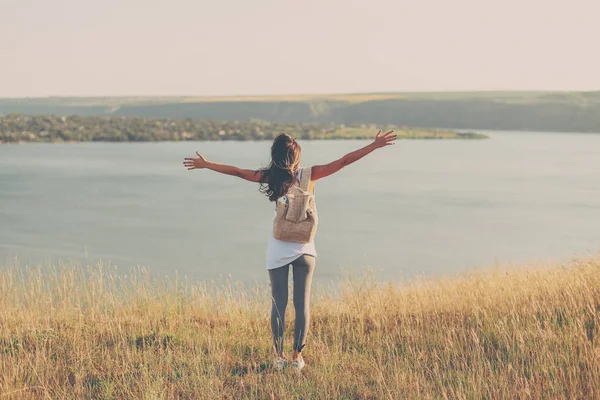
{"x": 52, "y": 128}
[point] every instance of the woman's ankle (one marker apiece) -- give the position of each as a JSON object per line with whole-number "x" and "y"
{"x": 297, "y": 354}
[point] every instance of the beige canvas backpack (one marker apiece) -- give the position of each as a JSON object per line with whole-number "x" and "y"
{"x": 296, "y": 219}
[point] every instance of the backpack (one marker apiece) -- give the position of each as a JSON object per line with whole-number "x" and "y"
{"x": 296, "y": 219}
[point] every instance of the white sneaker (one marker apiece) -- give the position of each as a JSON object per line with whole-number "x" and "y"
{"x": 298, "y": 365}
{"x": 279, "y": 363}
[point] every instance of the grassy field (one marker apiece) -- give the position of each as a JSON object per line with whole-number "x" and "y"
{"x": 87, "y": 332}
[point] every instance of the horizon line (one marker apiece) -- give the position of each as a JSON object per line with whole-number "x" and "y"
{"x": 314, "y": 94}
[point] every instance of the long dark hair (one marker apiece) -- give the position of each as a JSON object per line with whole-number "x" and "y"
{"x": 277, "y": 178}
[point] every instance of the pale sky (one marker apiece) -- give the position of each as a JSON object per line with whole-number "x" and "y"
{"x": 245, "y": 47}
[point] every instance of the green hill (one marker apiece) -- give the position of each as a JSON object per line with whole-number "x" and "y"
{"x": 545, "y": 111}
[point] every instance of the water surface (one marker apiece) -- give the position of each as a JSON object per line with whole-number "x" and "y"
{"x": 432, "y": 207}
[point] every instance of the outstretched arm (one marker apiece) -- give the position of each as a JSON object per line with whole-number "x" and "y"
{"x": 201, "y": 162}
{"x": 321, "y": 171}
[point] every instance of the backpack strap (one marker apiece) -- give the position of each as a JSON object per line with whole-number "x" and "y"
{"x": 305, "y": 178}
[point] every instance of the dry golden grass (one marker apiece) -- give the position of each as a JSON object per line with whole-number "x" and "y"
{"x": 73, "y": 332}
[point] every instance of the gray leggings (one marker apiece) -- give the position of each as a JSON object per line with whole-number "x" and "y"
{"x": 303, "y": 268}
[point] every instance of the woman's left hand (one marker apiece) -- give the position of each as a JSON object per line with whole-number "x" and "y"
{"x": 384, "y": 140}
{"x": 193, "y": 163}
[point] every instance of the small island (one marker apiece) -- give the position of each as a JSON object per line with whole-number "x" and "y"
{"x": 19, "y": 128}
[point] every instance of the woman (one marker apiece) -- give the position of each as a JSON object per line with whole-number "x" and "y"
{"x": 275, "y": 180}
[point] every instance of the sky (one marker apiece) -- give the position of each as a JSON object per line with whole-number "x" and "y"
{"x": 258, "y": 47}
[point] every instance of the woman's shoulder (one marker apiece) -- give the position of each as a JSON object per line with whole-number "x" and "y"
{"x": 310, "y": 171}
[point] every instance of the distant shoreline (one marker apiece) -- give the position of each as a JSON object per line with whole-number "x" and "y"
{"x": 20, "y": 129}
{"x": 544, "y": 111}
{"x": 25, "y": 142}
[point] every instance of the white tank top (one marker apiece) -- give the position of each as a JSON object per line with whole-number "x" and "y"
{"x": 281, "y": 253}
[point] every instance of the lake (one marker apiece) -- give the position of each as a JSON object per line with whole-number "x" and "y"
{"x": 419, "y": 207}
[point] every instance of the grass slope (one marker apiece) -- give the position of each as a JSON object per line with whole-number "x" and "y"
{"x": 72, "y": 332}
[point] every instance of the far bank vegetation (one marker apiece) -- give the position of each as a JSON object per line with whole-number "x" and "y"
{"x": 15, "y": 128}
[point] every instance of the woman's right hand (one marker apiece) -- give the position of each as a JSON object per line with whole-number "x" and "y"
{"x": 384, "y": 140}
{"x": 194, "y": 163}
